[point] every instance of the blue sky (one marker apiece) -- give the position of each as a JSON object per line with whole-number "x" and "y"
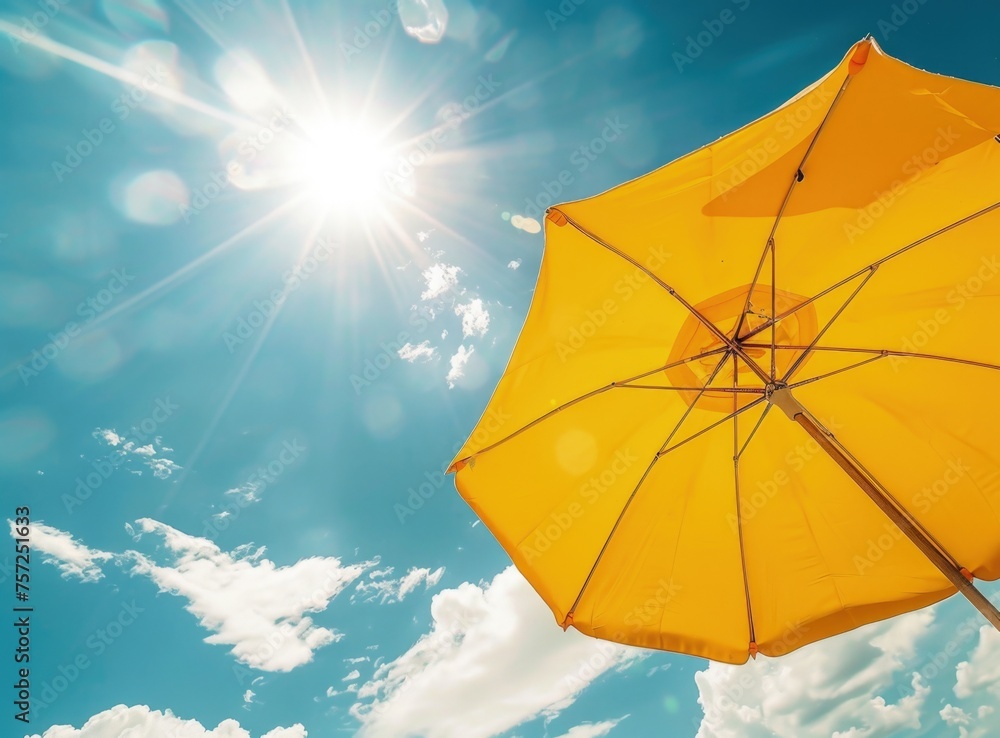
{"x": 261, "y": 265}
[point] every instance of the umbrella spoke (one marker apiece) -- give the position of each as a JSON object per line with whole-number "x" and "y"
{"x": 730, "y": 343}
{"x": 869, "y": 360}
{"x": 592, "y": 393}
{"x": 884, "y": 352}
{"x": 798, "y": 362}
{"x": 874, "y": 265}
{"x": 739, "y": 507}
{"x": 717, "y": 423}
{"x": 635, "y": 490}
{"x": 798, "y": 177}
{"x": 753, "y": 432}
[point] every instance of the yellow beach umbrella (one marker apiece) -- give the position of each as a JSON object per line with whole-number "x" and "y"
{"x": 756, "y": 399}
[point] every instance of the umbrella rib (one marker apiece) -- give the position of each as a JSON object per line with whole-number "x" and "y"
{"x": 753, "y": 432}
{"x": 635, "y": 490}
{"x": 731, "y": 344}
{"x": 717, "y": 423}
{"x": 886, "y": 352}
{"x": 739, "y": 507}
{"x": 869, "y": 360}
{"x": 798, "y": 361}
{"x": 586, "y": 395}
{"x": 796, "y": 178}
{"x": 875, "y": 265}
{"x": 735, "y": 390}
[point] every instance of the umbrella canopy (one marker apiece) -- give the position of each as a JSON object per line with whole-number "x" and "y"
{"x": 756, "y": 398}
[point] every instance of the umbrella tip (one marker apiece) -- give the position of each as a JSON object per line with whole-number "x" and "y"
{"x": 753, "y": 650}
{"x": 567, "y": 621}
{"x": 556, "y": 217}
{"x": 860, "y": 56}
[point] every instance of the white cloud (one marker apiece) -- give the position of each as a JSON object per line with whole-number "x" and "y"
{"x": 592, "y": 730}
{"x": 493, "y": 659}
{"x": 248, "y": 602}
{"x": 414, "y": 577}
{"x": 458, "y": 362}
{"x": 955, "y": 715}
{"x": 63, "y": 551}
{"x": 419, "y": 352}
{"x": 355, "y": 674}
{"x": 246, "y": 494}
{"x": 109, "y": 436}
{"x": 439, "y": 278}
{"x": 248, "y": 696}
{"x": 124, "y": 449}
{"x": 141, "y": 722}
{"x": 394, "y": 590}
{"x": 833, "y": 687}
{"x": 162, "y": 468}
{"x": 514, "y": 264}
{"x": 982, "y": 670}
{"x": 475, "y": 318}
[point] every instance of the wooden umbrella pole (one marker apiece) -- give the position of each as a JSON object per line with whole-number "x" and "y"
{"x": 958, "y": 576}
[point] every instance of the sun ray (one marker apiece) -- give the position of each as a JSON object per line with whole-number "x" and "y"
{"x": 100, "y": 66}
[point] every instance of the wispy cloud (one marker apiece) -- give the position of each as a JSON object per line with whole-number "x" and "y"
{"x": 62, "y": 550}
{"x": 247, "y": 601}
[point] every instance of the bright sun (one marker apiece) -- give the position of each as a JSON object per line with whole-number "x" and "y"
{"x": 342, "y": 168}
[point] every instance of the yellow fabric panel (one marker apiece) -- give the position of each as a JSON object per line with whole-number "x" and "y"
{"x": 671, "y": 577}
{"x": 810, "y": 534}
{"x": 927, "y": 430}
{"x": 552, "y": 493}
{"x": 594, "y": 319}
